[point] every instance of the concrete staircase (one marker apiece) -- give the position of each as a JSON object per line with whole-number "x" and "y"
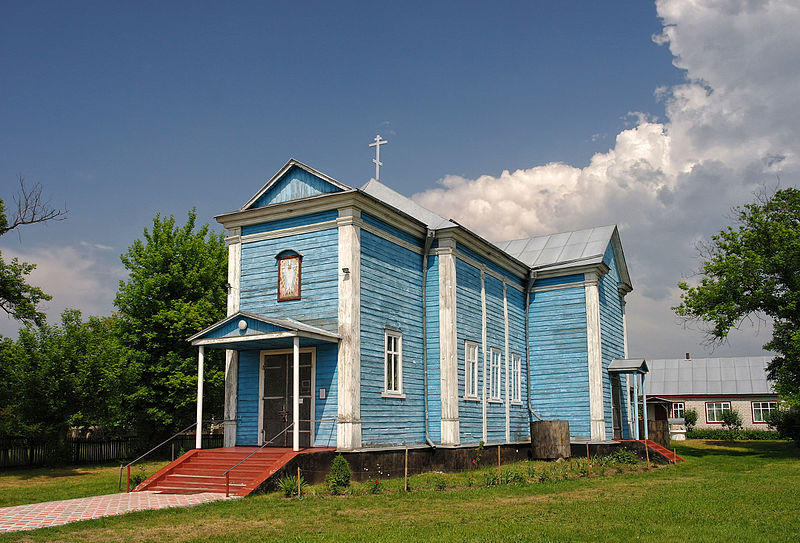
{"x": 201, "y": 470}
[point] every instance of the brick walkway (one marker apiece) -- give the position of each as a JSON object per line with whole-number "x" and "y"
{"x": 40, "y": 515}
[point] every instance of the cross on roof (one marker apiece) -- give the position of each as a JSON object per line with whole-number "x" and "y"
{"x": 377, "y": 160}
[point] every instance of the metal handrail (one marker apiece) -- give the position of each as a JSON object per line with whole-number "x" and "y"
{"x": 227, "y": 473}
{"x": 132, "y": 462}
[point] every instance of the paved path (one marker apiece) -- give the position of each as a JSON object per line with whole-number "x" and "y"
{"x": 40, "y": 515}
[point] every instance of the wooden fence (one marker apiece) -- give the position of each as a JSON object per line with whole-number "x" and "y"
{"x": 20, "y": 452}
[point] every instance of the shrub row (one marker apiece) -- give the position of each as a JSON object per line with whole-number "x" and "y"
{"x": 732, "y": 435}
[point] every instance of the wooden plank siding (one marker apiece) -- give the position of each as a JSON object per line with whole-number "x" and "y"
{"x": 559, "y": 354}
{"x": 434, "y": 351}
{"x": 612, "y": 337}
{"x": 495, "y": 339}
{"x": 519, "y": 420}
{"x": 468, "y": 314}
{"x": 318, "y": 305}
{"x": 290, "y": 222}
{"x": 391, "y": 298}
{"x": 295, "y": 184}
{"x": 326, "y": 411}
{"x": 247, "y": 402}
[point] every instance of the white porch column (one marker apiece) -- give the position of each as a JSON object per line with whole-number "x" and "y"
{"x": 198, "y": 442}
{"x": 644, "y": 409}
{"x": 348, "y": 427}
{"x": 595, "y": 362}
{"x": 635, "y": 406}
{"x": 448, "y": 342}
{"x": 234, "y": 242}
{"x": 296, "y": 394}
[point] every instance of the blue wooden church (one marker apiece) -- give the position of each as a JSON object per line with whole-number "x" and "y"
{"x": 358, "y": 319}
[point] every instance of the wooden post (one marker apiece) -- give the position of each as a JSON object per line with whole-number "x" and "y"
{"x": 647, "y": 452}
{"x": 227, "y": 483}
{"x": 298, "y": 482}
{"x": 128, "y": 485}
{"x": 405, "y": 476}
{"x": 173, "y": 450}
{"x": 499, "y": 479}
{"x": 588, "y": 460}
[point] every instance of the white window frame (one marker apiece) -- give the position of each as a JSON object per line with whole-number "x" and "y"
{"x": 723, "y": 406}
{"x": 393, "y": 355}
{"x": 678, "y": 409}
{"x": 495, "y": 375}
{"x": 516, "y": 378}
{"x": 471, "y": 370}
{"x": 770, "y": 406}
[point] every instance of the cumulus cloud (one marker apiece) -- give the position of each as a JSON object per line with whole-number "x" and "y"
{"x": 76, "y": 277}
{"x": 730, "y": 128}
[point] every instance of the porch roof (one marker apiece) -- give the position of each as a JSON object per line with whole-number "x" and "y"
{"x": 249, "y": 331}
{"x": 628, "y": 365}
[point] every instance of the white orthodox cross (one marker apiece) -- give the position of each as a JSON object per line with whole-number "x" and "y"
{"x": 377, "y": 159}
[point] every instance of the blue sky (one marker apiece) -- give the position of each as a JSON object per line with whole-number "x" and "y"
{"x": 124, "y": 110}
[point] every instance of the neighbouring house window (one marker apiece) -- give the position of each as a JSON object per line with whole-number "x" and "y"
{"x": 516, "y": 378}
{"x": 289, "y": 276}
{"x": 677, "y": 409}
{"x": 393, "y": 378}
{"x": 714, "y": 410}
{"x": 762, "y": 409}
{"x": 494, "y": 375}
{"x": 471, "y": 369}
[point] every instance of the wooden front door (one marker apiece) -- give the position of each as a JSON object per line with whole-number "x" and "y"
{"x": 616, "y": 409}
{"x": 277, "y": 399}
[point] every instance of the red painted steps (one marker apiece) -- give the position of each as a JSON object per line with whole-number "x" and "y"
{"x": 666, "y": 453}
{"x": 201, "y": 470}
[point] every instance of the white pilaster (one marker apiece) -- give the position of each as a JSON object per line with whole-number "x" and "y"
{"x": 234, "y": 241}
{"x": 348, "y": 428}
{"x": 595, "y": 361}
{"x": 198, "y": 442}
{"x": 296, "y": 394}
{"x": 508, "y": 365}
{"x": 448, "y": 343}
{"x": 483, "y": 347}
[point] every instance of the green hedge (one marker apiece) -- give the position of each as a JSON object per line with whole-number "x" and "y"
{"x": 732, "y": 435}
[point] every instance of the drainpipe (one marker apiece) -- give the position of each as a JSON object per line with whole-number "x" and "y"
{"x": 528, "y": 288}
{"x": 430, "y": 235}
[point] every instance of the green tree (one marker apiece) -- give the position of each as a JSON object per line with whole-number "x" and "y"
{"x": 731, "y": 420}
{"x": 176, "y": 287}
{"x": 690, "y": 418}
{"x": 53, "y": 378}
{"x": 752, "y": 270}
{"x": 17, "y": 298}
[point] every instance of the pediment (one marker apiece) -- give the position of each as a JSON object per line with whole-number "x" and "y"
{"x": 295, "y": 181}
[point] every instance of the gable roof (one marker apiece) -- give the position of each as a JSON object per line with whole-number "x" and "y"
{"x": 326, "y": 184}
{"x": 568, "y": 249}
{"x": 709, "y": 376}
{"x": 227, "y": 332}
{"x": 381, "y": 192}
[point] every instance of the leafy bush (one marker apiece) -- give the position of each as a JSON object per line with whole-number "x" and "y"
{"x": 338, "y": 478}
{"x": 786, "y": 422}
{"x": 690, "y": 419}
{"x": 617, "y": 457}
{"x": 731, "y": 420}
{"x": 439, "y": 483}
{"x": 139, "y": 477}
{"x": 289, "y": 485}
{"x": 726, "y": 435}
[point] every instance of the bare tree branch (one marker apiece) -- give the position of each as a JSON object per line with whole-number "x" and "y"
{"x": 32, "y": 208}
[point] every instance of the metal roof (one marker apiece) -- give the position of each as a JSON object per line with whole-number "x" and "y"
{"x": 586, "y": 246}
{"x": 378, "y": 190}
{"x": 708, "y": 376}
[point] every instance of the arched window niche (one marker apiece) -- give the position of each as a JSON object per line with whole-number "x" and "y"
{"x": 290, "y": 276}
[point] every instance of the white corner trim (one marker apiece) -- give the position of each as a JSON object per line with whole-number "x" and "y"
{"x": 348, "y": 428}
{"x": 448, "y": 347}
{"x": 595, "y": 361}
{"x": 508, "y": 363}
{"x": 234, "y": 276}
{"x": 485, "y": 368}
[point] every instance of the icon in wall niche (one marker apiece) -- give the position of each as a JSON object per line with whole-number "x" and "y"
{"x": 289, "y": 278}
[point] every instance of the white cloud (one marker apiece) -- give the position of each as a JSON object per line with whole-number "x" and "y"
{"x": 76, "y": 277}
{"x": 731, "y": 127}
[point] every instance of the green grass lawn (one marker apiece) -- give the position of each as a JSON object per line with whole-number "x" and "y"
{"x": 21, "y": 486}
{"x": 745, "y": 491}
